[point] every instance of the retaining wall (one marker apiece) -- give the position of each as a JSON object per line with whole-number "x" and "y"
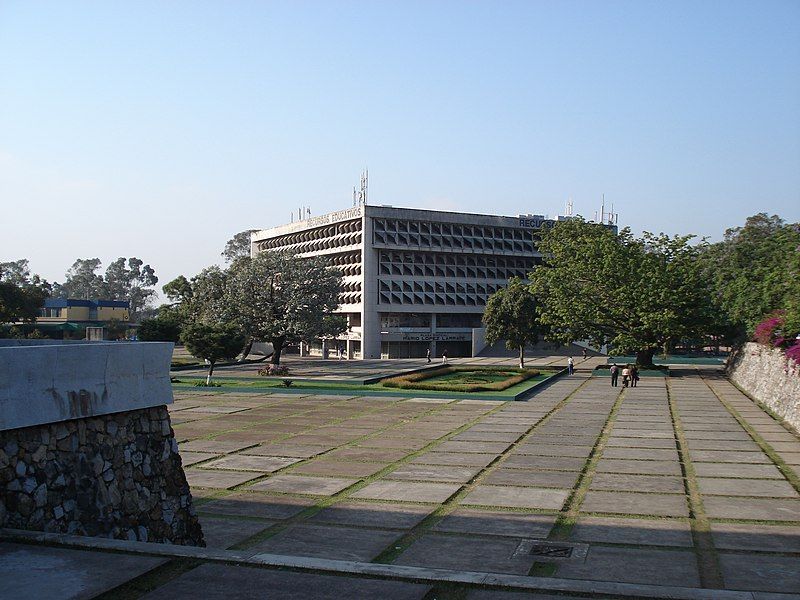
{"x": 86, "y": 445}
{"x": 768, "y": 376}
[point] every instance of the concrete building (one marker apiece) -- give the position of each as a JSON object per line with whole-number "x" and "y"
{"x": 413, "y": 279}
{"x": 70, "y": 318}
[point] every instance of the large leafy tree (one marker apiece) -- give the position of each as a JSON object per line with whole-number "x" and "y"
{"x": 82, "y": 281}
{"x": 132, "y": 280}
{"x": 754, "y": 270}
{"x": 638, "y": 295}
{"x": 278, "y": 298}
{"x": 238, "y": 246}
{"x": 21, "y": 293}
{"x": 220, "y": 341}
{"x": 512, "y": 314}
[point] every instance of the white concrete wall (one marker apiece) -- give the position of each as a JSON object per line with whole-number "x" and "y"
{"x": 769, "y": 377}
{"x": 51, "y": 381}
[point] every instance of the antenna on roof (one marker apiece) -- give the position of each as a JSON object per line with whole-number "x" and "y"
{"x": 360, "y": 196}
{"x": 569, "y": 207}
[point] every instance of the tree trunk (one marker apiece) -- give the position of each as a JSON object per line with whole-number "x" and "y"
{"x": 277, "y": 348}
{"x": 210, "y": 373}
{"x": 522, "y": 357}
{"x": 246, "y": 350}
{"x": 644, "y": 358}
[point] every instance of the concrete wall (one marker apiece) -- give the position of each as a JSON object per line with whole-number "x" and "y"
{"x": 86, "y": 444}
{"x": 50, "y": 381}
{"x": 769, "y": 377}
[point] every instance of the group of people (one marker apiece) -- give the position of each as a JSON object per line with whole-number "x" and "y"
{"x": 630, "y": 375}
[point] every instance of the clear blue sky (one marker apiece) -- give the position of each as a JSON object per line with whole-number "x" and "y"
{"x": 160, "y": 129}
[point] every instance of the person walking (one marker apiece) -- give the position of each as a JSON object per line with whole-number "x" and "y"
{"x": 428, "y": 355}
{"x": 614, "y": 375}
{"x": 626, "y": 376}
{"x": 444, "y": 357}
{"x": 584, "y": 354}
{"x": 634, "y": 375}
{"x": 570, "y": 366}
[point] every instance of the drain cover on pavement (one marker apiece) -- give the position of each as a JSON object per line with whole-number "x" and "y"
{"x": 558, "y": 551}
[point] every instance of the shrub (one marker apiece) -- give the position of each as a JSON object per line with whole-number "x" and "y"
{"x": 274, "y": 371}
{"x": 416, "y": 381}
{"x": 287, "y": 382}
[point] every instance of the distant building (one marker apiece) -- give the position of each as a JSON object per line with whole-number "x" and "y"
{"x": 69, "y": 318}
{"x": 413, "y": 279}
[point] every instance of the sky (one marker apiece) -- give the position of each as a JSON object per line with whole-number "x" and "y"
{"x": 160, "y": 129}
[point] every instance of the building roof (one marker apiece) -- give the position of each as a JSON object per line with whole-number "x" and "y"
{"x": 67, "y": 302}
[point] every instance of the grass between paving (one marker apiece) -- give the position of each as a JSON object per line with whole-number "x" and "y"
{"x": 151, "y": 580}
{"x": 786, "y": 470}
{"x": 394, "y": 550}
{"x": 707, "y": 558}
{"x": 568, "y": 516}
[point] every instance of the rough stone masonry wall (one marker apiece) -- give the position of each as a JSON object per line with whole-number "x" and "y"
{"x": 116, "y": 475}
{"x": 769, "y": 377}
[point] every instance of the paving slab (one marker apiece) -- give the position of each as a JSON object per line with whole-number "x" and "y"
{"x": 641, "y": 532}
{"x": 224, "y": 533}
{"x": 527, "y": 478}
{"x": 213, "y": 446}
{"x": 625, "y": 482}
{"x": 367, "y": 454}
{"x": 442, "y": 458}
{"x": 253, "y": 504}
{"x": 643, "y": 467}
{"x": 760, "y": 538}
{"x": 322, "y": 541}
{"x": 227, "y": 582}
{"x": 243, "y": 462}
{"x": 480, "y": 447}
{"x": 217, "y": 479}
{"x": 657, "y": 567}
{"x": 737, "y": 470}
{"x": 500, "y": 595}
{"x": 759, "y": 509}
{"x": 519, "y": 461}
{"x": 189, "y": 458}
{"x": 372, "y": 514}
{"x": 517, "y": 497}
{"x": 493, "y": 522}
{"x": 729, "y": 456}
{"x": 335, "y": 468}
{"x": 493, "y": 555}
{"x": 662, "y": 505}
{"x": 43, "y": 572}
{"x": 670, "y": 454}
{"x": 449, "y": 473}
{"x": 773, "y": 488}
{"x": 624, "y": 442}
{"x": 408, "y": 491}
{"x": 760, "y": 572}
{"x": 554, "y": 450}
{"x": 302, "y": 484}
{"x": 290, "y": 450}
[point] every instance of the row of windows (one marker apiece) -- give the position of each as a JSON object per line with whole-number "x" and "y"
{"x": 319, "y": 233}
{"x": 434, "y": 293}
{"x": 443, "y": 320}
{"x": 448, "y": 242}
{"x": 452, "y": 272}
{"x": 339, "y": 241}
{"x": 469, "y": 260}
{"x": 452, "y": 229}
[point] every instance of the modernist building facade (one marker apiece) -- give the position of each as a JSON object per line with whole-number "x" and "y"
{"x": 413, "y": 279}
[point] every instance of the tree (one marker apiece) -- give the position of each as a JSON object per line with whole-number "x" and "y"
{"x": 282, "y": 299}
{"x": 213, "y": 343}
{"x": 238, "y": 246}
{"x": 21, "y": 294}
{"x": 754, "y": 270}
{"x": 160, "y": 329}
{"x": 82, "y": 281}
{"x": 512, "y": 314}
{"x": 130, "y": 280}
{"x": 635, "y": 294}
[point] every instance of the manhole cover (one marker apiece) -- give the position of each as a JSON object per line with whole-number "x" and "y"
{"x": 552, "y": 551}
{"x": 544, "y": 550}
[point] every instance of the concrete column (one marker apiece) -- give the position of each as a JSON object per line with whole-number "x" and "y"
{"x": 434, "y": 353}
{"x": 370, "y": 323}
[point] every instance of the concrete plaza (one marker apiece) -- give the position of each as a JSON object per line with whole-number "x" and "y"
{"x": 681, "y": 487}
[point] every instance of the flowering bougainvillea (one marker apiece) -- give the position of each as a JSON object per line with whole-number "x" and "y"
{"x": 770, "y": 333}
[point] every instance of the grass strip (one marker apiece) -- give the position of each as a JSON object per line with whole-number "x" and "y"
{"x": 707, "y": 558}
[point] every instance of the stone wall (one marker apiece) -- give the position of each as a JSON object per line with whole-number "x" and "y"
{"x": 769, "y": 377}
{"x": 116, "y": 475}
